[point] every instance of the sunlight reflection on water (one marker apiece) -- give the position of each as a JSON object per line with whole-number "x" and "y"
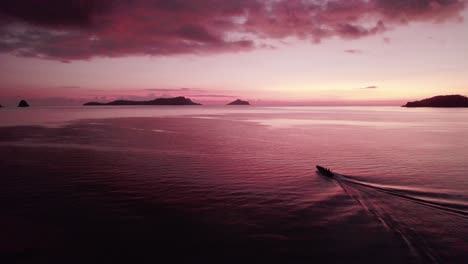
{"x": 283, "y": 123}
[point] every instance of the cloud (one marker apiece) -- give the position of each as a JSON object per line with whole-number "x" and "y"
{"x": 67, "y": 30}
{"x": 190, "y": 92}
{"x": 353, "y": 51}
{"x": 370, "y": 87}
{"x": 174, "y": 90}
{"x": 70, "y": 87}
{"x": 214, "y": 95}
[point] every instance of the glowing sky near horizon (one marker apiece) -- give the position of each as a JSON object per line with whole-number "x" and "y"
{"x": 419, "y": 53}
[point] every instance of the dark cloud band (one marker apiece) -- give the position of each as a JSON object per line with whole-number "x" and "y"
{"x": 81, "y": 29}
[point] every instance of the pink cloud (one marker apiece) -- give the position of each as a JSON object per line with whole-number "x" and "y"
{"x": 370, "y": 87}
{"x": 82, "y": 29}
{"x": 353, "y": 51}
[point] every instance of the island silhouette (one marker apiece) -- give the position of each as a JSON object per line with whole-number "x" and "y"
{"x": 440, "y": 101}
{"x": 239, "y": 102}
{"x": 23, "y": 103}
{"x": 180, "y": 100}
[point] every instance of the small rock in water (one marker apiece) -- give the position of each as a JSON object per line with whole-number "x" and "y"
{"x": 239, "y": 102}
{"x": 23, "y": 103}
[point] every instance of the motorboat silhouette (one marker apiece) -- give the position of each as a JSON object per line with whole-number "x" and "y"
{"x": 324, "y": 171}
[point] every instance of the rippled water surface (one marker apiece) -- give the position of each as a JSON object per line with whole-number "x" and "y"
{"x": 233, "y": 184}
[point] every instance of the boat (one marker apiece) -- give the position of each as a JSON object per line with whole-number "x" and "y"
{"x": 324, "y": 171}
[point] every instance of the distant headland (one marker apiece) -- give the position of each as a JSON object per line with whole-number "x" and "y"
{"x": 441, "y": 101}
{"x": 239, "y": 102}
{"x": 180, "y": 100}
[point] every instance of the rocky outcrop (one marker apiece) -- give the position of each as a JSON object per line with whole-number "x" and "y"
{"x": 23, "y": 103}
{"x": 239, "y": 102}
{"x": 441, "y": 101}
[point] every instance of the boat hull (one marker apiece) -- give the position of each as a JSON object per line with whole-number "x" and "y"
{"x": 324, "y": 171}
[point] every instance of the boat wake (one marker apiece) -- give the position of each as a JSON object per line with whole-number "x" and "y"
{"x": 422, "y": 218}
{"x": 452, "y": 204}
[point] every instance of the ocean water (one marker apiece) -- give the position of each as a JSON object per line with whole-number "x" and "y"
{"x": 233, "y": 184}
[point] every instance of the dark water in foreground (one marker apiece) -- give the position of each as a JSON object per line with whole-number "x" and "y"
{"x": 236, "y": 186}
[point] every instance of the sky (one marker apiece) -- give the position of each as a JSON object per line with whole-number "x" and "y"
{"x": 270, "y": 52}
